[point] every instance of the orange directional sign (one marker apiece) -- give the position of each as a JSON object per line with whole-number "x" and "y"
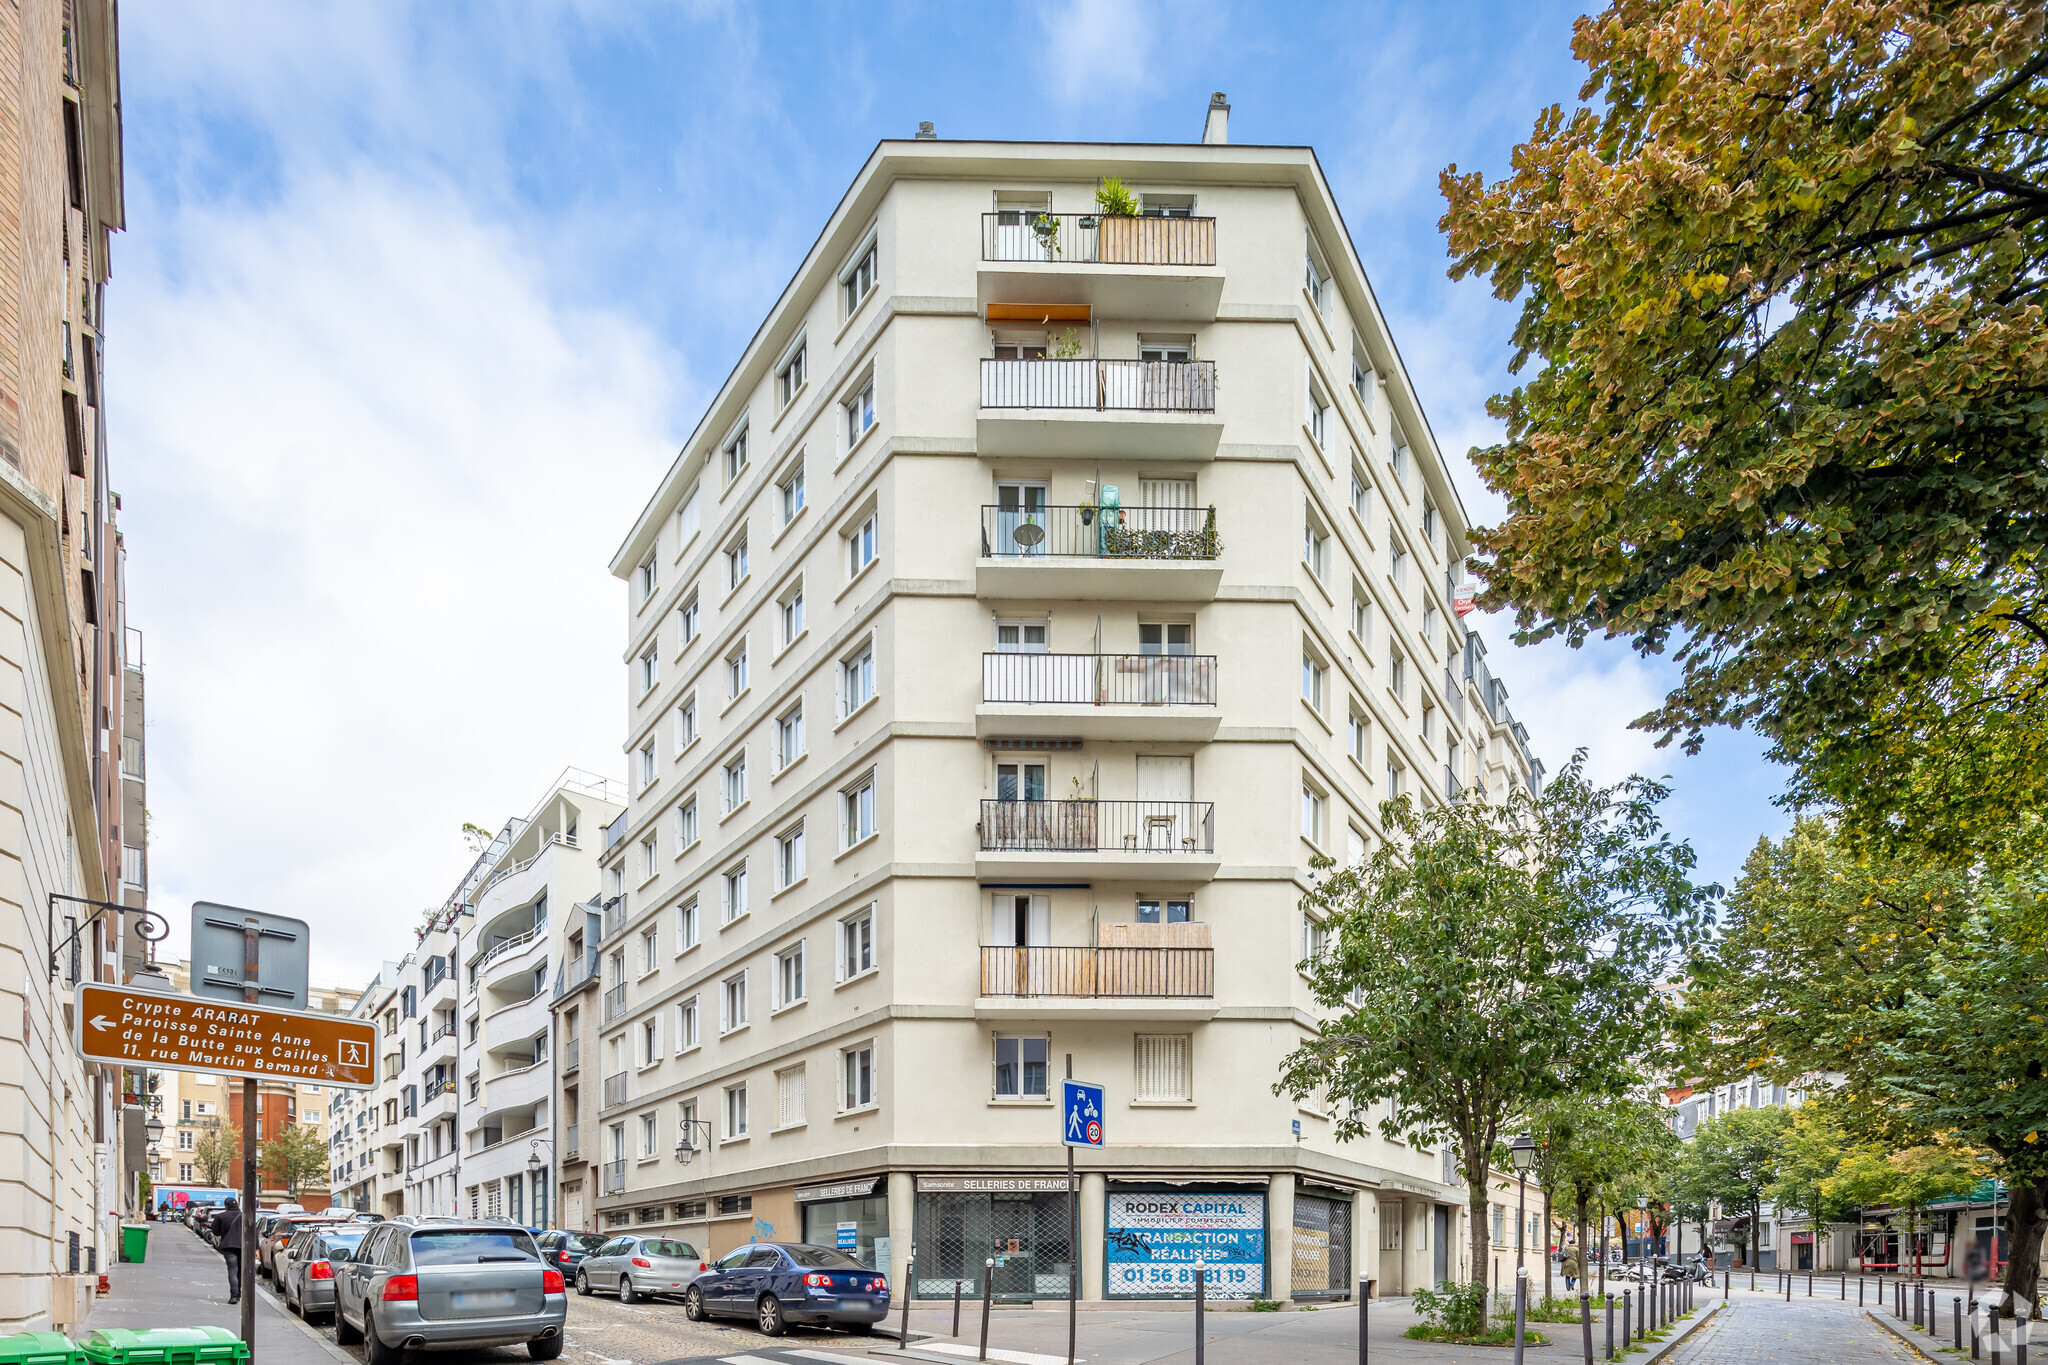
{"x": 185, "y": 1033}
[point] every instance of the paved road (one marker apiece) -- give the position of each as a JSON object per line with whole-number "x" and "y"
{"x": 1757, "y": 1328}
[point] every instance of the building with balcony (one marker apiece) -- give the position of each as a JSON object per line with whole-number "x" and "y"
{"x": 1041, "y": 593}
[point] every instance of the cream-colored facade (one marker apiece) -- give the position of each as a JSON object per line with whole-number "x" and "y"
{"x": 1040, "y": 594}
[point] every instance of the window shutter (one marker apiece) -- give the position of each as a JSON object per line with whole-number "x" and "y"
{"x": 790, "y": 1085}
{"x": 1162, "y": 1066}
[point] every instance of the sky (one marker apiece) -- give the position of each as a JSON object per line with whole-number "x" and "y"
{"x": 416, "y": 304}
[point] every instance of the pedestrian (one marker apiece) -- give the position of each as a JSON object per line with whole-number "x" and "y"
{"x": 227, "y": 1235}
{"x": 1574, "y": 1266}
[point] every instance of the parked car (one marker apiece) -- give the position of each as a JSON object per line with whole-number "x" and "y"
{"x": 305, "y": 1268}
{"x": 636, "y": 1266}
{"x": 448, "y": 1283}
{"x": 777, "y": 1283}
{"x": 566, "y": 1250}
{"x": 273, "y": 1240}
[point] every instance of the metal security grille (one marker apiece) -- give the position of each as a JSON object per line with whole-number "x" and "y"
{"x": 1322, "y": 1246}
{"x": 1025, "y": 1234}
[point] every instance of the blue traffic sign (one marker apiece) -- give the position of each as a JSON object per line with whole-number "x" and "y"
{"x": 1082, "y": 1105}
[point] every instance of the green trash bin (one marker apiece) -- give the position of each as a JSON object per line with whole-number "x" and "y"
{"x": 39, "y": 1348}
{"x": 134, "y": 1241}
{"x": 164, "y": 1346}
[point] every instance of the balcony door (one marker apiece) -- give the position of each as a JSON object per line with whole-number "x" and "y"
{"x": 1017, "y": 236}
{"x": 1018, "y": 924}
{"x": 1020, "y": 782}
{"x": 1021, "y": 526}
{"x": 1165, "y": 787}
{"x": 1166, "y": 505}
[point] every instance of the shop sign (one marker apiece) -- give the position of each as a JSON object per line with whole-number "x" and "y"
{"x": 992, "y": 1184}
{"x": 1154, "y": 1241}
{"x": 845, "y": 1189}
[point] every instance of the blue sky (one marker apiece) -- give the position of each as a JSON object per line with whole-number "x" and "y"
{"x": 416, "y": 303}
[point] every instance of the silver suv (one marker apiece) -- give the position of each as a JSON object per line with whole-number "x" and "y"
{"x": 448, "y": 1284}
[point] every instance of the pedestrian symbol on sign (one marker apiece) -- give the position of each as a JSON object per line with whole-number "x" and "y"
{"x": 1082, "y": 1105}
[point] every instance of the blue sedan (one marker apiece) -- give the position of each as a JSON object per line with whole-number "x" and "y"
{"x": 778, "y": 1283}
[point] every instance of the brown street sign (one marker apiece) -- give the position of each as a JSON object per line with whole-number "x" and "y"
{"x": 186, "y": 1033}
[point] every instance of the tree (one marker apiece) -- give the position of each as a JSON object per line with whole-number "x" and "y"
{"x": 1738, "y": 1154}
{"x": 1488, "y": 958}
{"x": 216, "y": 1152}
{"x": 1783, "y": 276}
{"x": 1908, "y": 1180}
{"x": 295, "y": 1156}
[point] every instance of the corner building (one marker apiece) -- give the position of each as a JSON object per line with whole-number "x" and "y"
{"x": 1040, "y": 594}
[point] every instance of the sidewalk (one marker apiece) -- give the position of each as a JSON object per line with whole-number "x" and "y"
{"x": 184, "y": 1283}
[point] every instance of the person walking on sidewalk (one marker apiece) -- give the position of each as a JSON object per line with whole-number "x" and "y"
{"x": 1574, "y": 1266}
{"x": 227, "y": 1235}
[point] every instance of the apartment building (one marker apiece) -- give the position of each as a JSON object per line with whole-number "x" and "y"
{"x": 1043, "y": 590}
{"x": 526, "y": 922}
{"x": 78, "y": 1144}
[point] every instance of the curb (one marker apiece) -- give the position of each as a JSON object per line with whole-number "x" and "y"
{"x": 1902, "y": 1338}
{"x": 1668, "y": 1347}
{"x": 276, "y": 1305}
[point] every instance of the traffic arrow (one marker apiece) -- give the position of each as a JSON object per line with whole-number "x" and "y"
{"x": 100, "y": 1021}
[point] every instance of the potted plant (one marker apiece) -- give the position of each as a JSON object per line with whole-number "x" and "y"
{"x": 1118, "y": 235}
{"x": 1087, "y": 511}
{"x": 1046, "y": 228}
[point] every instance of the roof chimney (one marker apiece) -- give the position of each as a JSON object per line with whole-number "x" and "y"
{"x": 926, "y": 133}
{"x": 1216, "y": 128}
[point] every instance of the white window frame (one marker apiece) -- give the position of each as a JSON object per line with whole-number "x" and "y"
{"x": 648, "y": 577}
{"x": 688, "y": 621}
{"x": 858, "y": 1091}
{"x": 650, "y": 1042}
{"x": 1316, "y": 276}
{"x": 790, "y": 741}
{"x": 650, "y": 1135}
{"x": 733, "y": 782}
{"x": 1315, "y": 812}
{"x": 735, "y": 453}
{"x": 733, "y": 1003}
{"x": 790, "y": 857}
{"x": 1361, "y": 619}
{"x": 792, "y": 980}
{"x": 857, "y": 666}
{"x": 647, "y": 863}
{"x": 859, "y": 946}
{"x": 689, "y": 924}
{"x": 736, "y": 1112}
{"x": 859, "y": 412}
{"x": 739, "y": 566}
{"x": 1315, "y": 545}
{"x": 792, "y": 371}
{"x": 859, "y": 821}
{"x": 739, "y": 675}
{"x": 1184, "y": 1045}
{"x": 1358, "y": 736}
{"x": 683, "y": 725}
{"x": 686, "y": 831}
{"x": 689, "y": 1025}
{"x": 1315, "y": 676}
{"x": 1317, "y": 418}
{"x": 863, "y": 545}
{"x": 733, "y": 894}
{"x": 689, "y": 519}
{"x": 792, "y": 1081}
{"x": 650, "y": 669}
{"x": 860, "y": 275}
{"x": 790, "y": 613}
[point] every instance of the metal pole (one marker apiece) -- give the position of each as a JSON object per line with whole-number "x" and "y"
{"x": 988, "y": 1281}
{"x": 1521, "y": 1307}
{"x": 1991, "y": 1321}
{"x": 1073, "y": 1239}
{"x": 1959, "y": 1323}
{"x": 1628, "y": 1302}
{"x": 1364, "y": 1304}
{"x": 252, "y": 938}
{"x": 909, "y": 1279}
{"x": 1610, "y": 1315}
{"x": 956, "y": 1305}
{"x": 1973, "y": 1325}
{"x": 1201, "y": 1299}
{"x": 2019, "y": 1345}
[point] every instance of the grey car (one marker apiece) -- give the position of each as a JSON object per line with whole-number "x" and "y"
{"x": 306, "y": 1266}
{"x": 448, "y": 1284}
{"x": 637, "y": 1266}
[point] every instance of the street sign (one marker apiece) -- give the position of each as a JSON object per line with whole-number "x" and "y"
{"x": 1082, "y": 1105}
{"x": 222, "y": 937}
{"x": 185, "y": 1033}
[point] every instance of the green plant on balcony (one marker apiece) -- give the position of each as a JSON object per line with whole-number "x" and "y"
{"x": 1065, "y": 345}
{"x": 1115, "y": 199}
{"x": 1120, "y": 541}
{"x": 1046, "y": 228}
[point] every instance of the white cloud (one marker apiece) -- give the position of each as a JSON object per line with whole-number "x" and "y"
{"x": 1098, "y": 49}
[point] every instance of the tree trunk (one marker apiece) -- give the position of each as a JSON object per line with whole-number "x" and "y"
{"x": 1547, "y": 1262}
{"x": 1476, "y": 1202}
{"x": 2026, "y": 1214}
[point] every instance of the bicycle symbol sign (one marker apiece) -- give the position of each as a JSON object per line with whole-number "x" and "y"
{"x": 1081, "y": 1102}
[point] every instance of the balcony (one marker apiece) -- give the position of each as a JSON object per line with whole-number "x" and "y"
{"x": 1099, "y": 696}
{"x": 615, "y": 1089}
{"x": 615, "y": 1002}
{"x": 1151, "y": 268}
{"x": 614, "y": 1178}
{"x": 520, "y": 1087}
{"x": 1153, "y": 554}
{"x": 437, "y": 1101}
{"x": 1161, "y": 840}
{"x": 1087, "y": 982}
{"x": 1099, "y": 409}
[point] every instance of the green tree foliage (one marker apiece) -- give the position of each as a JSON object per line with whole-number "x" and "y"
{"x": 1489, "y": 958}
{"x": 216, "y": 1153}
{"x": 1810, "y": 1155}
{"x": 1737, "y": 1154}
{"x": 294, "y": 1157}
{"x": 1782, "y": 275}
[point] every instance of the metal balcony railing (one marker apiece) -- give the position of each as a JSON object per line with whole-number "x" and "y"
{"x": 1084, "y": 826}
{"x": 1097, "y": 239}
{"x": 1099, "y": 532}
{"x": 614, "y": 917}
{"x": 1099, "y": 973}
{"x": 1102, "y": 385}
{"x": 507, "y": 946}
{"x": 615, "y": 1002}
{"x": 1100, "y": 679}
{"x": 1454, "y": 696}
{"x": 614, "y": 1177}
{"x": 445, "y": 1031}
{"x": 615, "y": 1089}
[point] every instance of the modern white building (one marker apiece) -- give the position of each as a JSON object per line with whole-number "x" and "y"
{"x": 1042, "y": 591}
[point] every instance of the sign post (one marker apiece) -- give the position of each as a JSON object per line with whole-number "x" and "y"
{"x": 1081, "y": 1106}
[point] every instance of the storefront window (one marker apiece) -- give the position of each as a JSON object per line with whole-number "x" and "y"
{"x": 1019, "y": 1222}
{"x": 854, "y": 1226}
{"x": 1156, "y": 1235}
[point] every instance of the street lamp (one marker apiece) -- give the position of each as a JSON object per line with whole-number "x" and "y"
{"x": 534, "y": 1167}
{"x": 154, "y": 1126}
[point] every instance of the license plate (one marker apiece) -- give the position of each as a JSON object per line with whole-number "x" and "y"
{"x": 483, "y": 1298}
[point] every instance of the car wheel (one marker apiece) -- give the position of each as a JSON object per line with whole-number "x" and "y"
{"x": 693, "y": 1305}
{"x": 769, "y": 1314}
{"x": 626, "y": 1294}
{"x": 547, "y": 1348}
{"x": 345, "y": 1333}
{"x": 374, "y": 1350}
{"x": 583, "y": 1284}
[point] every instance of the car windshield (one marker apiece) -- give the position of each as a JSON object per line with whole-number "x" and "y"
{"x": 681, "y": 1251}
{"x": 470, "y": 1247}
{"x": 585, "y": 1241}
{"x": 822, "y": 1258}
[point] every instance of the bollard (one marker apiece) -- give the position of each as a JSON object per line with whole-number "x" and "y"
{"x": 1959, "y": 1324}
{"x": 1521, "y": 1309}
{"x": 1610, "y": 1326}
{"x": 1788, "y": 1288}
{"x": 1809, "y": 1284}
{"x": 1752, "y": 1279}
{"x": 1628, "y": 1301}
{"x": 1642, "y": 1312}
{"x": 988, "y": 1284}
{"x": 956, "y": 1305}
{"x": 2019, "y": 1339}
{"x": 1726, "y": 1280}
{"x": 1845, "y": 1288}
{"x": 1859, "y": 1291}
{"x": 1201, "y": 1298}
{"x": 1991, "y": 1322}
{"x": 909, "y": 1273}
{"x": 1364, "y": 1302}
{"x": 1916, "y": 1305}
{"x": 1973, "y": 1326}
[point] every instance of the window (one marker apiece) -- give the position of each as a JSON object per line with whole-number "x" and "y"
{"x": 650, "y": 669}
{"x": 1397, "y": 456}
{"x": 789, "y": 380}
{"x": 735, "y": 1118}
{"x": 1161, "y": 1068}
{"x": 649, "y": 770}
{"x": 1315, "y": 547}
{"x": 1430, "y": 617}
{"x": 1357, "y": 734}
{"x": 648, "y": 578}
{"x": 860, "y": 413}
{"x": 1311, "y": 815}
{"x": 732, "y": 1008}
{"x": 790, "y": 493}
{"x": 857, "y": 678}
{"x": 1397, "y": 563}
{"x": 736, "y": 782}
{"x": 688, "y": 520}
{"x": 1394, "y": 773}
{"x": 689, "y": 928}
{"x": 684, "y": 727}
{"x": 1165, "y": 912}
{"x": 650, "y": 1040}
{"x": 185, "y": 1140}
{"x": 1318, "y": 414}
{"x": 1361, "y": 380}
{"x": 736, "y": 568}
{"x": 1429, "y": 722}
{"x": 860, "y": 546}
{"x": 185, "y": 1172}
{"x": 1361, "y": 621}
{"x": 1021, "y": 1065}
{"x": 857, "y": 944}
{"x": 686, "y": 622}
{"x": 789, "y": 1097}
{"x": 735, "y": 892}
{"x": 1316, "y": 279}
{"x": 789, "y": 975}
{"x": 792, "y": 613}
{"x": 1430, "y": 521}
{"x": 857, "y": 804}
{"x": 1165, "y": 637}
{"x": 1354, "y": 846}
{"x": 859, "y": 280}
{"x": 858, "y": 1064}
{"x": 1315, "y": 939}
{"x": 646, "y": 857}
{"x": 1313, "y": 673}
{"x": 648, "y": 939}
{"x": 1361, "y": 494}
{"x": 789, "y": 856}
{"x": 1397, "y": 674}
{"x": 648, "y": 1127}
{"x": 736, "y": 674}
{"x": 736, "y": 454}
{"x": 687, "y": 1035}
{"x": 686, "y": 825}
{"x": 789, "y": 736}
